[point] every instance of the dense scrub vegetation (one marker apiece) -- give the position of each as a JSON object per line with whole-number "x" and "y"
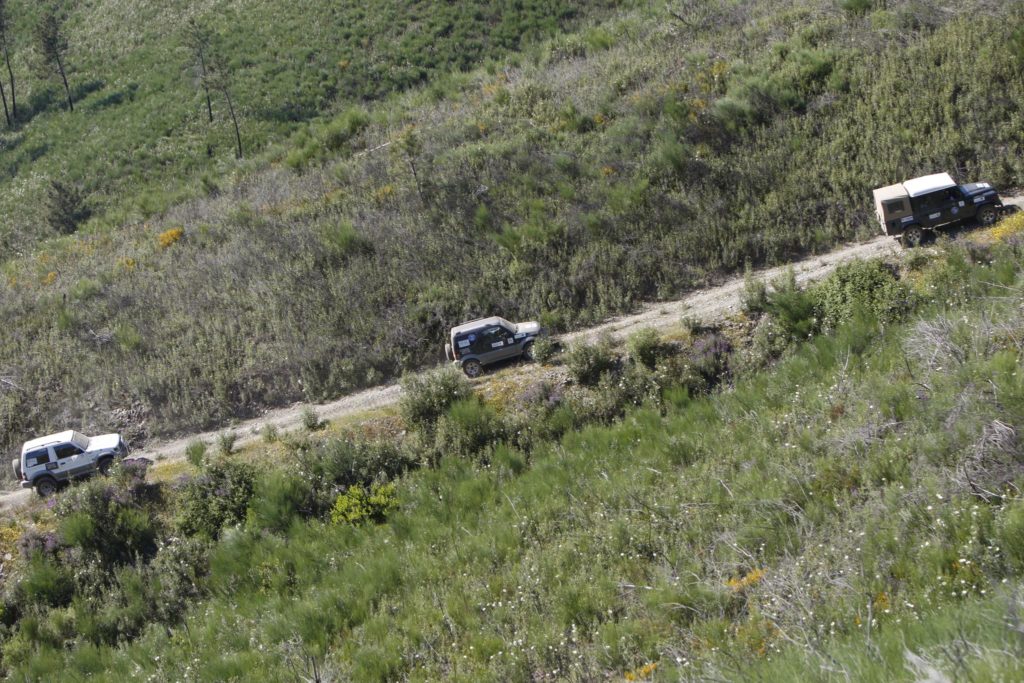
{"x": 857, "y": 503}
{"x": 143, "y": 131}
{"x": 636, "y": 158}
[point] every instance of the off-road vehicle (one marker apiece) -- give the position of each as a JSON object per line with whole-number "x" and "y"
{"x": 481, "y": 342}
{"x": 909, "y": 208}
{"x": 49, "y": 461}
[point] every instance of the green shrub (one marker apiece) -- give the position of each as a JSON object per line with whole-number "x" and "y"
{"x": 646, "y": 347}
{"x": 426, "y": 396}
{"x": 587, "y": 362}
{"x": 46, "y": 583}
{"x": 109, "y": 524}
{"x": 870, "y": 286}
{"x": 280, "y": 498}
{"x": 754, "y": 299}
{"x": 1011, "y": 536}
{"x": 467, "y": 429}
{"x": 195, "y": 453}
{"x": 226, "y": 443}
{"x": 310, "y": 420}
{"x": 358, "y": 505}
{"x": 216, "y": 498}
{"x": 544, "y": 350}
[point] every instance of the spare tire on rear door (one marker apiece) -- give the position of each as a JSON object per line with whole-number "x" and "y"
{"x": 448, "y": 352}
{"x": 16, "y": 464}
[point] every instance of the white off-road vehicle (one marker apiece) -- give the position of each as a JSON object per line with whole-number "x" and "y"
{"x": 49, "y": 461}
{"x": 481, "y": 342}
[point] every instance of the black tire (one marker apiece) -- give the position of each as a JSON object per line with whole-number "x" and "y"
{"x": 45, "y": 486}
{"x": 528, "y": 352}
{"x": 912, "y": 236}
{"x": 472, "y": 368}
{"x": 987, "y": 215}
{"x": 103, "y": 465}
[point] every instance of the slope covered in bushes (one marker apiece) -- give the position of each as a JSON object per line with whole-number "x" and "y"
{"x": 857, "y": 503}
{"x": 639, "y": 157}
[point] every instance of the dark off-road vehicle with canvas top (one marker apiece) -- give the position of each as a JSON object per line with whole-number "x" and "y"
{"x": 481, "y": 342}
{"x": 909, "y": 208}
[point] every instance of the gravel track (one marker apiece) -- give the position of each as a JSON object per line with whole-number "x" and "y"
{"x": 707, "y": 305}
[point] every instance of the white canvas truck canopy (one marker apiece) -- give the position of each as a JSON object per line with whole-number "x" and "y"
{"x": 928, "y": 183}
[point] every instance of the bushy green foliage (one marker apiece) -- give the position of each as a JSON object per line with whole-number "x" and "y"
{"x": 280, "y": 498}
{"x": 646, "y": 347}
{"x": 195, "y": 453}
{"x": 829, "y": 464}
{"x": 427, "y": 396}
{"x": 337, "y": 464}
{"x": 310, "y": 420}
{"x": 638, "y": 192}
{"x": 215, "y": 498}
{"x": 588, "y": 362}
{"x": 358, "y": 505}
{"x": 545, "y": 349}
{"x": 870, "y": 287}
{"x": 467, "y": 429}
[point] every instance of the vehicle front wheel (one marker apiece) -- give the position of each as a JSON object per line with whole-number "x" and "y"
{"x": 104, "y": 465}
{"x": 912, "y": 236}
{"x": 46, "y": 487}
{"x": 987, "y": 215}
{"x": 528, "y": 352}
{"x": 472, "y": 368}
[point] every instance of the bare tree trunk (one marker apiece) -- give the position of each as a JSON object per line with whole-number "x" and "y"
{"x": 206, "y": 87}
{"x": 3, "y": 95}
{"x": 67, "y": 89}
{"x": 234, "y": 120}
{"x": 10, "y": 73}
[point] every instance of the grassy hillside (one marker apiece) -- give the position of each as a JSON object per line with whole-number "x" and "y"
{"x": 852, "y": 513}
{"x": 635, "y": 159}
{"x": 140, "y": 136}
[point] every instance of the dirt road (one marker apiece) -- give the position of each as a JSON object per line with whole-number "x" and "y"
{"x": 706, "y": 306}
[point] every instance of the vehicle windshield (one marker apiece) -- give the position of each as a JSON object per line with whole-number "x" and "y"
{"x": 80, "y": 440}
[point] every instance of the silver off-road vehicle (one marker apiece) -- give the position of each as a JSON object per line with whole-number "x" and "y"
{"x": 481, "y": 342}
{"x": 909, "y": 208}
{"x": 49, "y": 461}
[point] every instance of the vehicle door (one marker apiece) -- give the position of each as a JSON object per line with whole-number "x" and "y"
{"x": 496, "y": 343}
{"x": 934, "y": 208}
{"x": 72, "y": 461}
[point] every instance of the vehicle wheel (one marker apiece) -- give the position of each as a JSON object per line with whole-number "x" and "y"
{"x": 528, "y": 352}
{"x": 472, "y": 368}
{"x": 104, "y": 465}
{"x": 987, "y": 215}
{"x": 912, "y": 236}
{"x": 46, "y": 487}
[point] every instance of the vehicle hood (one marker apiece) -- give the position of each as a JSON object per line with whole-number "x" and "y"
{"x": 974, "y": 189}
{"x": 528, "y": 328}
{"x": 104, "y": 442}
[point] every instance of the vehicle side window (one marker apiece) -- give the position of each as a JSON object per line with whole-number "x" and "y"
{"x": 895, "y": 206}
{"x": 66, "y": 450}
{"x": 40, "y": 457}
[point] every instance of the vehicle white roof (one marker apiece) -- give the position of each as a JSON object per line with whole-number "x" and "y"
{"x": 39, "y": 441}
{"x": 478, "y": 323}
{"x": 928, "y": 183}
{"x": 890, "y": 192}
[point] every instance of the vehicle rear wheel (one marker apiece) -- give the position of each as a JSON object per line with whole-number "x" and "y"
{"x": 987, "y": 215}
{"x": 46, "y": 486}
{"x": 104, "y": 465}
{"x": 528, "y": 352}
{"x": 472, "y": 368}
{"x": 911, "y": 237}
